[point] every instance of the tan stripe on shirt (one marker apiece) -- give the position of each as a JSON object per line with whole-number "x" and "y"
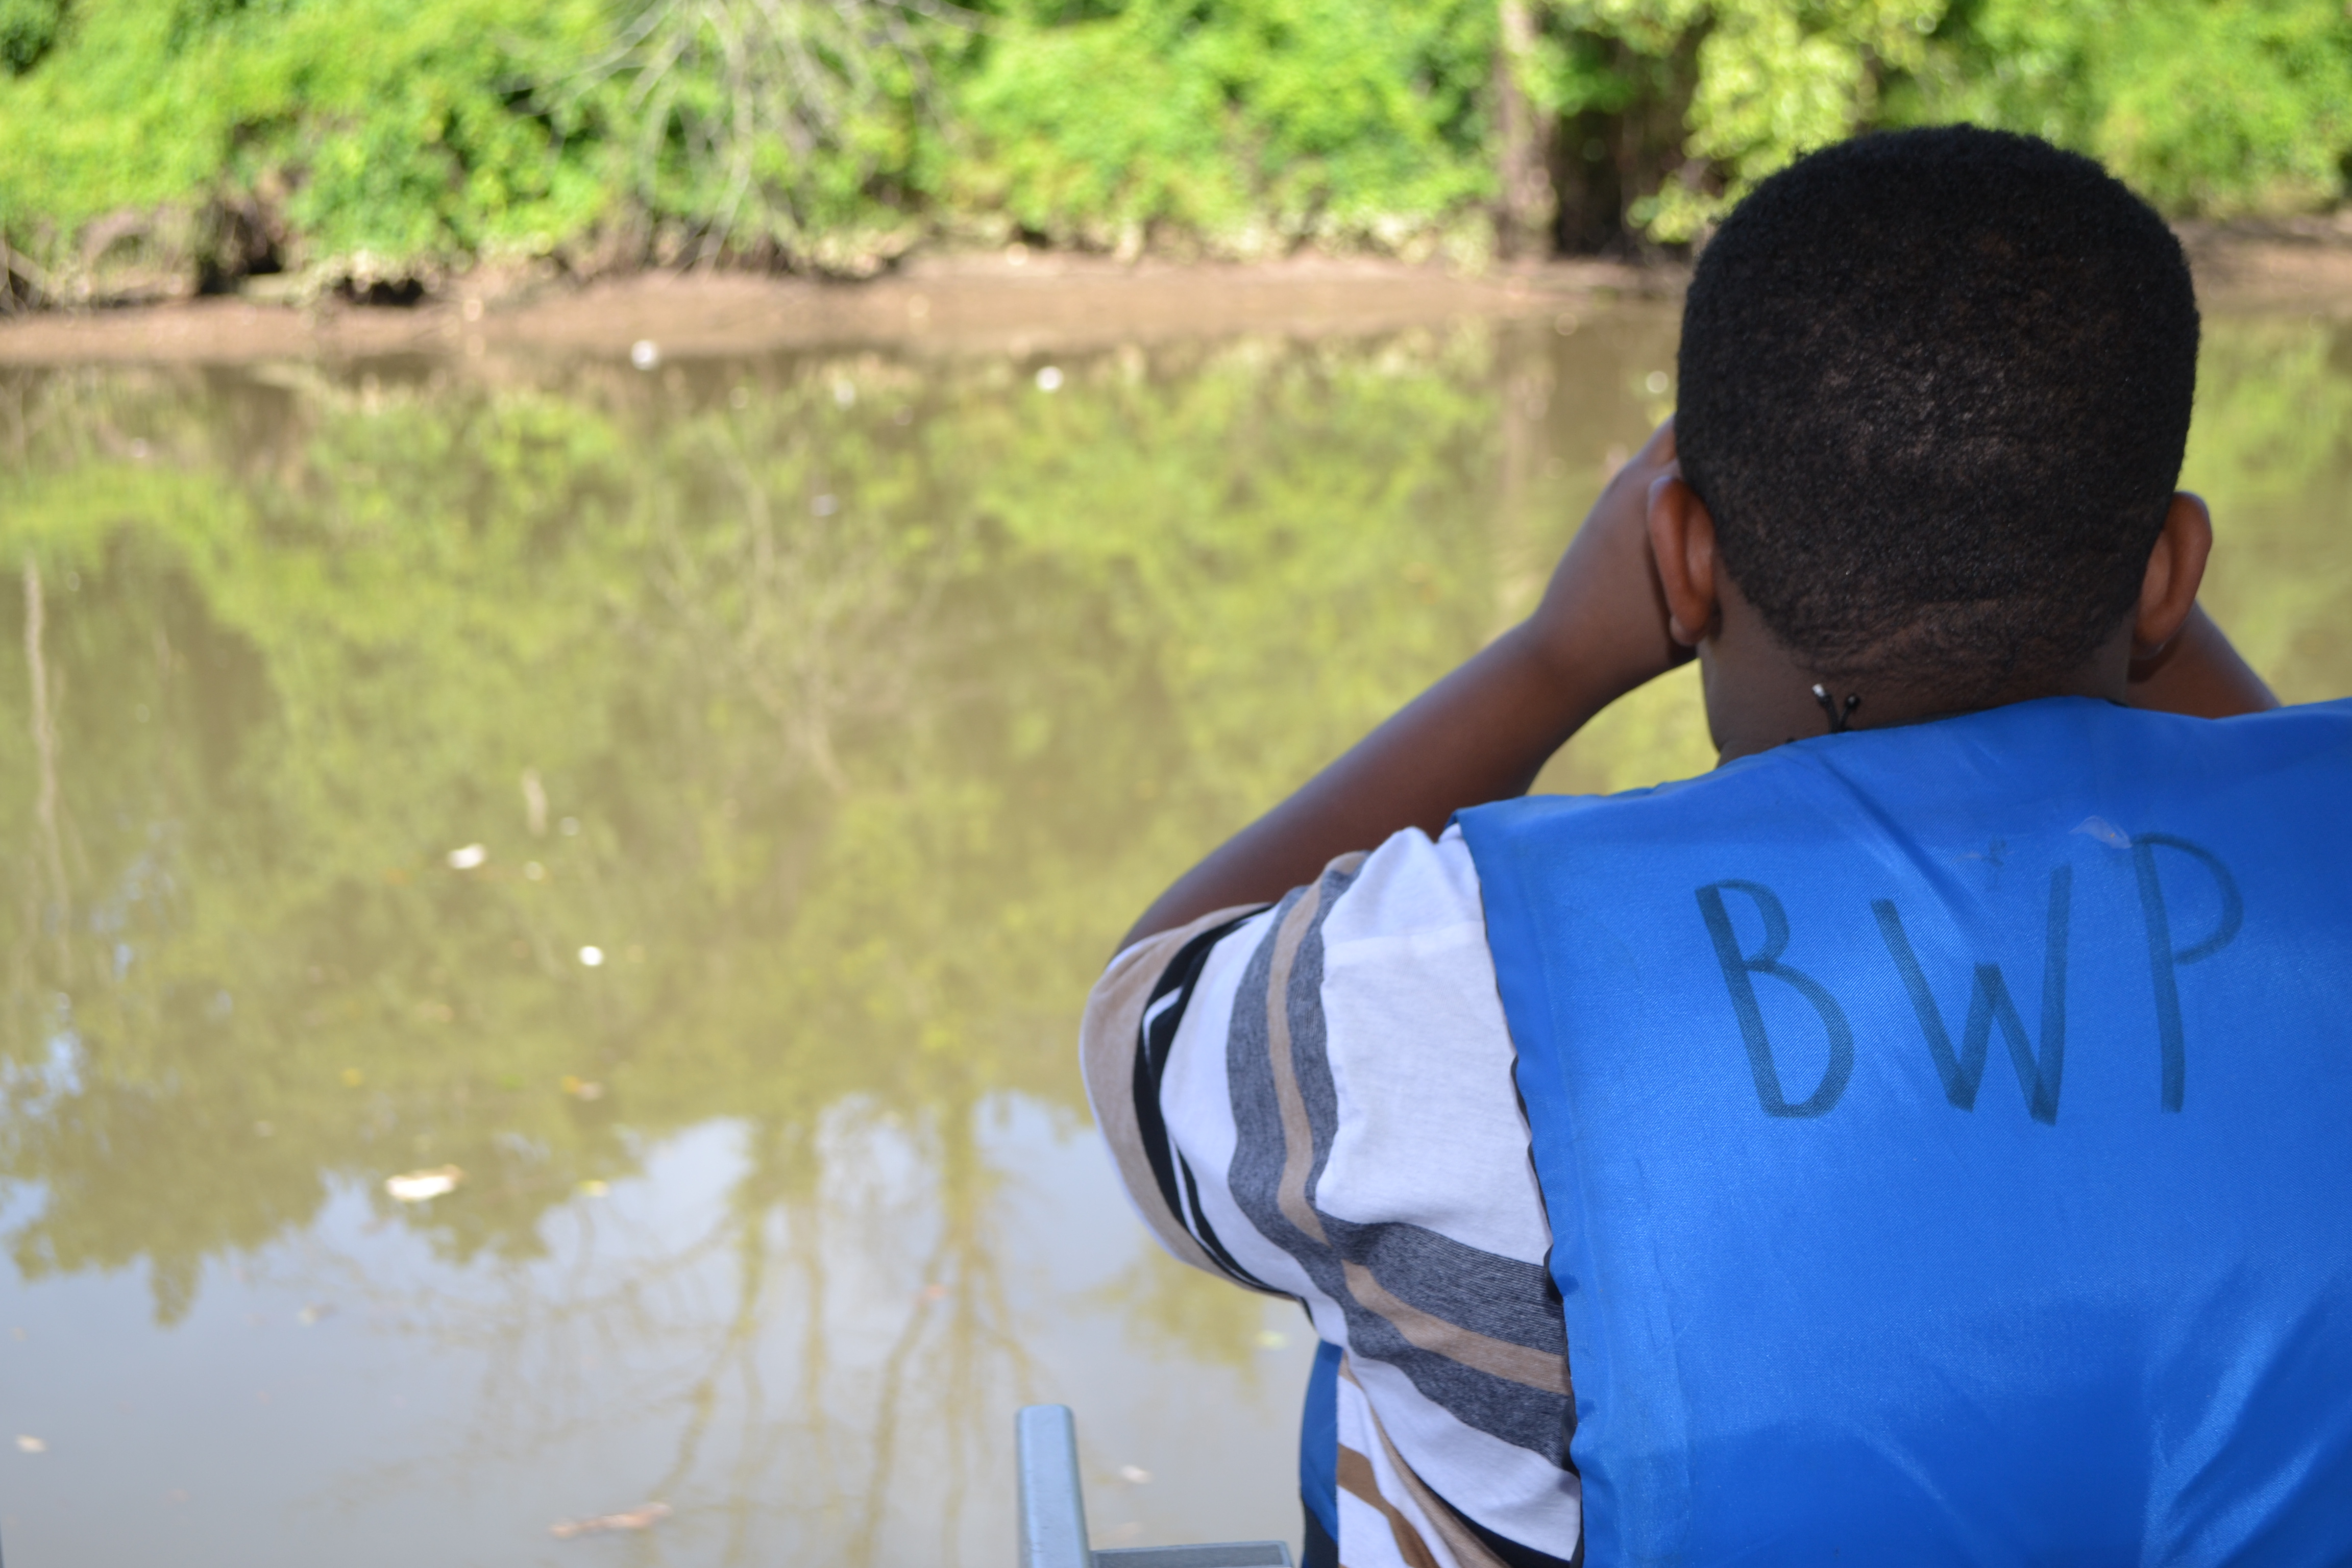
{"x": 1108, "y": 1037}
{"x": 1497, "y": 1357}
{"x": 1469, "y": 1552}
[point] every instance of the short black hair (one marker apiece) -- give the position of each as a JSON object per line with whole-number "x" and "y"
{"x": 1934, "y": 386}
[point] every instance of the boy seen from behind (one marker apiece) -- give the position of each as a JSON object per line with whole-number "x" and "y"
{"x": 1919, "y": 1139}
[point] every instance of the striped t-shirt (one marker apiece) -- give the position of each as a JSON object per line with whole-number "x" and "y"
{"x": 1316, "y": 1101}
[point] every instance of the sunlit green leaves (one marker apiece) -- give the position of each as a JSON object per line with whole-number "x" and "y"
{"x": 1767, "y": 80}
{"x": 2203, "y": 107}
{"x": 1252, "y": 127}
{"x": 775, "y": 128}
{"x": 389, "y": 129}
{"x": 373, "y": 141}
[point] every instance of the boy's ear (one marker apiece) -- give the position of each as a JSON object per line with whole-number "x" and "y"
{"x": 2176, "y": 568}
{"x": 1682, "y": 538}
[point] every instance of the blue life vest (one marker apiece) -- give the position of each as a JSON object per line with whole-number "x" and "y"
{"x": 1947, "y": 1133}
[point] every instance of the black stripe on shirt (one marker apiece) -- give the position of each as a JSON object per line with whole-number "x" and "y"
{"x": 1155, "y": 1040}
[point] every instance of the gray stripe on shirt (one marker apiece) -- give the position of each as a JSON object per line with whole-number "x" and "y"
{"x": 1492, "y": 1298}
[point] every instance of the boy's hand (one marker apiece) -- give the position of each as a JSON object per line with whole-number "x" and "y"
{"x": 1481, "y": 734}
{"x": 1603, "y": 615}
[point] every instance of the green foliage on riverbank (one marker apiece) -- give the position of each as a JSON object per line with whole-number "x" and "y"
{"x": 145, "y": 144}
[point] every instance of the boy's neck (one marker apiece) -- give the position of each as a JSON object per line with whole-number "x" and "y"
{"x": 1760, "y": 695}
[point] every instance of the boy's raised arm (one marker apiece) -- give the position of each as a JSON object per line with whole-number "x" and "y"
{"x": 1483, "y": 731}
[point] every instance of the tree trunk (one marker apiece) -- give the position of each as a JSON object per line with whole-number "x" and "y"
{"x": 1523, "y": 137}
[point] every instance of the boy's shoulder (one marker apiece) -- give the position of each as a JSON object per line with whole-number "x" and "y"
{"x": 1412, "y": 890}
{"x": 2027, "y": 751}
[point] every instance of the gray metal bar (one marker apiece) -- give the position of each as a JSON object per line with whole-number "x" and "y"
{"x": 1224, "y": 1554}
{"x": 1052, "y": 1509}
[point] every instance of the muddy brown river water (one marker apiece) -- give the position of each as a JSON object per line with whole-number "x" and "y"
{"x": 670, "y": 816}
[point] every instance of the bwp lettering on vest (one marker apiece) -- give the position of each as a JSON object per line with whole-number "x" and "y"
{"x": 2039, "y": 1070}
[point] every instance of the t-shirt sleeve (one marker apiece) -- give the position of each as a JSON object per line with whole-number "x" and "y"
{"x": 1318, "y": 1099}
{"x": 1140, "y": 1004}
{"x": 1262, "y": 1072}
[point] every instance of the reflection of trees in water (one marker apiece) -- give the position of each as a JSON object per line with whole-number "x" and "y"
{"x": 879, "y": 693}
{"x": 823, "y": 616}
{"x": 833, "y": 1255}
{"x": 1181, "y": 1313}
{"x": 50, "y": 898}
{"x": 856, "y": 704}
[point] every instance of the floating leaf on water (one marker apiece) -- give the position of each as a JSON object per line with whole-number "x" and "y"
{"x": 31, "y": 1445}
{"x": 468, "y": 857}
{"x": 643, "y": 1517}
{"x": 415, "y": 1186}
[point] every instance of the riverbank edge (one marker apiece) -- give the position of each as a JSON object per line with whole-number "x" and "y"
{"x": 1013, "y": 301}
